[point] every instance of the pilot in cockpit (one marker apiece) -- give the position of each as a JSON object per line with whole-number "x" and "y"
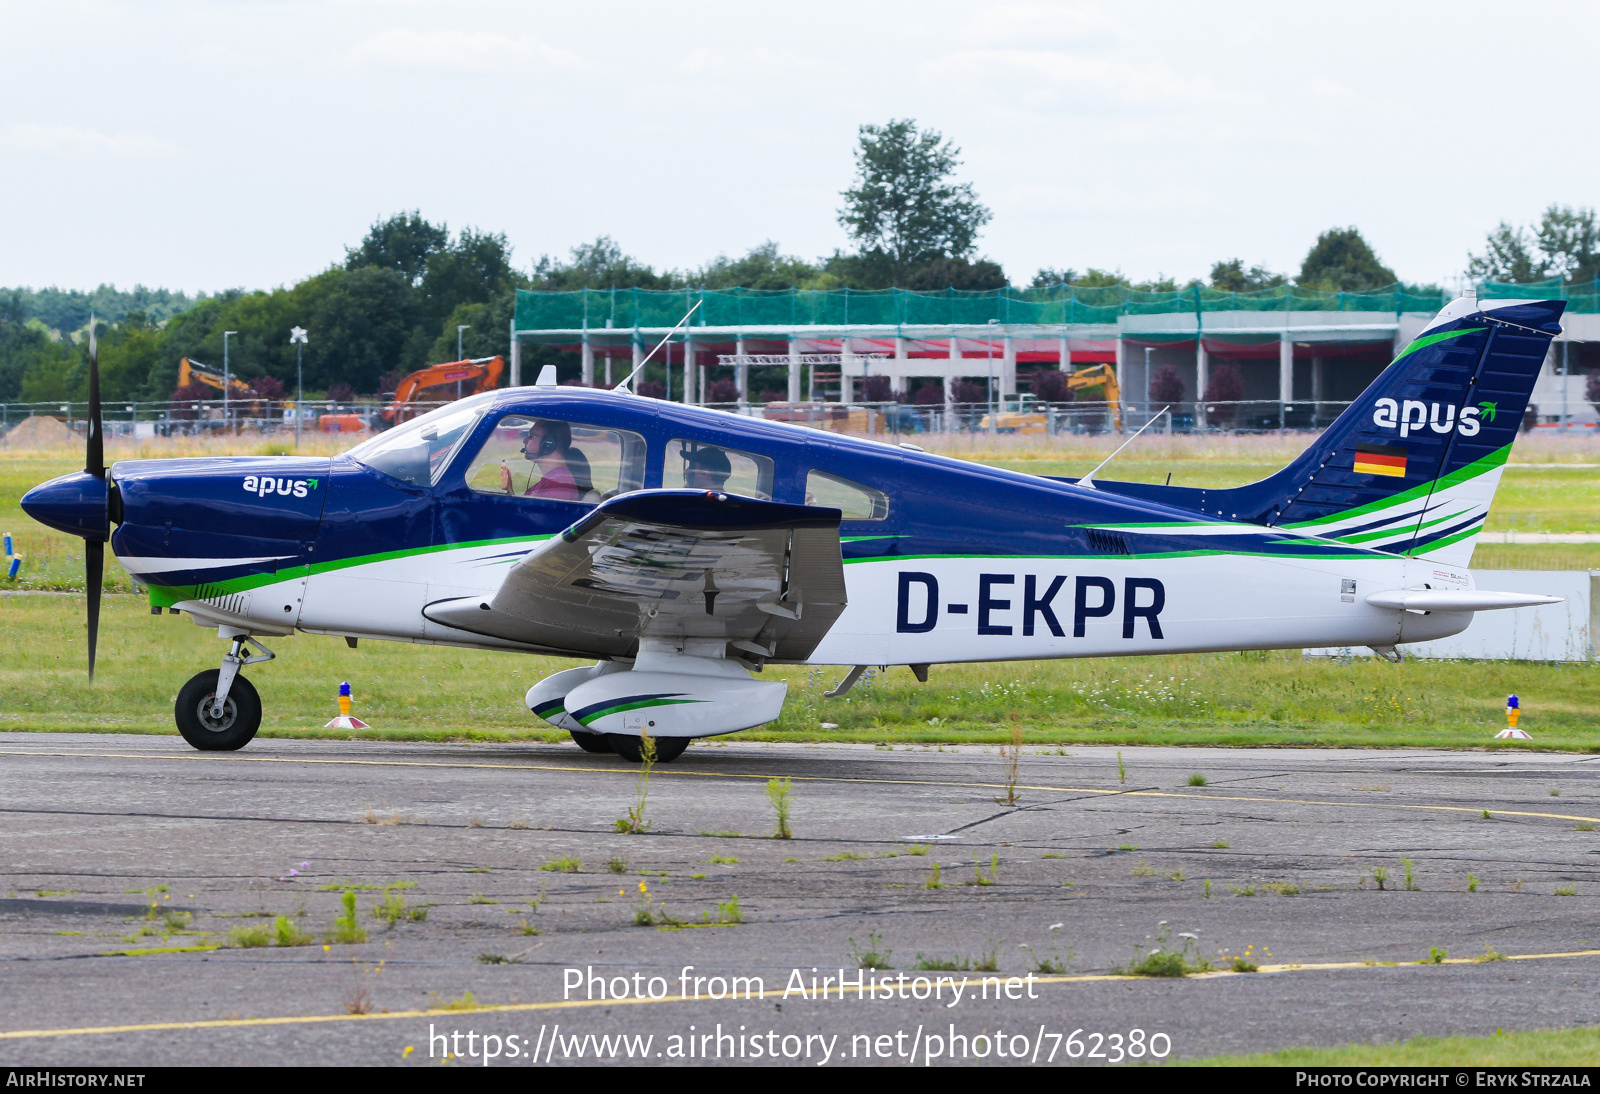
{"x": 563, "y": 470}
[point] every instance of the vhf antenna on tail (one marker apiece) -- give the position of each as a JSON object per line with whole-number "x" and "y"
{"x": 626, "y": 380}
{"x": 1087, "y": 480}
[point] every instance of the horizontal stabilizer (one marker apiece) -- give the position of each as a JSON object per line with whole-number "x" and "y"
{"x": 1444, "y": 600}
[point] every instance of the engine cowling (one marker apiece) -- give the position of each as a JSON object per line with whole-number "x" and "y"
{"x": 672, "y": 695}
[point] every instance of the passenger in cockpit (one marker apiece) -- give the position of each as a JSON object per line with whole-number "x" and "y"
{"x": 706, "y": 468}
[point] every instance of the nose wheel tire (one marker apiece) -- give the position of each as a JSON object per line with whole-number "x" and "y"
{"x": 240, "y": 718}
{"x": 627, "y": 746}
{"x": 591, "y": 742}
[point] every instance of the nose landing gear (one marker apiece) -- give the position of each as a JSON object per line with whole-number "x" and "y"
{"x": 218, "y": 710}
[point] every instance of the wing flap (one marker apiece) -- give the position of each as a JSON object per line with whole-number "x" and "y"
{"x": 671, "y": 564}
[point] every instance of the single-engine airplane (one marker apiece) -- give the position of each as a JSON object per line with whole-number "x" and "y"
{"x": 685, "y": 549}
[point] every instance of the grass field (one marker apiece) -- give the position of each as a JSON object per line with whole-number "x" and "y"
{"x": 432, "y": 692}
{"x": 1536, "y": 1048}
{"x": 1552, "y": 485}
{"x": 1230, "y": 699}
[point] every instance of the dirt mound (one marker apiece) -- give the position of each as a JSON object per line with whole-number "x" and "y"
{"x": 39, "y": 431}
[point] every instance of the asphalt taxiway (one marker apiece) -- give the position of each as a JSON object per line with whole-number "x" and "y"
{"x": 130, "y": 860}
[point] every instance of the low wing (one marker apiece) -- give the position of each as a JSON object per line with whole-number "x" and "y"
{"x": 766, "y": 578}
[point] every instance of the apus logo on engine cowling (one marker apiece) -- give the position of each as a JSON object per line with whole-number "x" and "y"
{"x": 1413, "y": 416}
{"x": 262, "y": 485}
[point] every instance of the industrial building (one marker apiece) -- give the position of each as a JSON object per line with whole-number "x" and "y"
{"x": 1301, "y": 354}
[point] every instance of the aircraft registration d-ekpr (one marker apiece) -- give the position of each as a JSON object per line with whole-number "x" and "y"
{"x": 685, "y": 549}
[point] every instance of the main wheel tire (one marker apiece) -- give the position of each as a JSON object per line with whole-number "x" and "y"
{"x": 241, "y": 713}
{"x": 627, "y": 746}
{"x": 590, "y": 742}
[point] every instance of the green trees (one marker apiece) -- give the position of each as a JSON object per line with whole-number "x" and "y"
{"x": 1565, "y": 244}
{"x": 1231, "y": 276}
{"x": 1342, "y": 261}
{"x": 914, "y": 224}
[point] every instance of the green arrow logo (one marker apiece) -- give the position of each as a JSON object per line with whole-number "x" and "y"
{"x": 1488, "y": 410}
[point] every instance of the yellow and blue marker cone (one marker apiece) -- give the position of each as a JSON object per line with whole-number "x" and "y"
{"x": 1511, "y": 732}
{"x": 345, "y": 720}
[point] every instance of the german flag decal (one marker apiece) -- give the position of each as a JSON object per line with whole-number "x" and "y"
{"x": 1380, "y": 459}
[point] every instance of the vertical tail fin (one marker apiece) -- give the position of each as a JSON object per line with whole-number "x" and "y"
{"x": 1412, "y": 465}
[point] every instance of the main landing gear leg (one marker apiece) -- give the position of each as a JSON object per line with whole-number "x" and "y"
{"x": 218, "y": 710}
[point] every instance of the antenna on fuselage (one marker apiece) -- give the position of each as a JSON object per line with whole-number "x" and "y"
{"x": 1087, "y": 480}
{"x": 628, "y": 379}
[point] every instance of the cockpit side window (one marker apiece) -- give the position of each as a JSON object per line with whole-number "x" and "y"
{"x": 557, "y": 460}
{"x": 419, "y": 451}
{"x": 696, "y": 465}
{"x": 853, "y": 500}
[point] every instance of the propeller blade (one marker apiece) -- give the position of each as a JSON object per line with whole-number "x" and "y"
{"x": 94, "y": 560}
{"x": 95, "y": 462}
{"x": 94, "y": 553}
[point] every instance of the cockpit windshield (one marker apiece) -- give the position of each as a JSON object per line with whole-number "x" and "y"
{"x": 419, "y": 451}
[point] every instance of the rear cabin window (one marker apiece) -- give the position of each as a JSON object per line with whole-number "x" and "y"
{"x": 548, "y": 458}
{"x": 853, "y": 500}
{"x": 695, "y": 465}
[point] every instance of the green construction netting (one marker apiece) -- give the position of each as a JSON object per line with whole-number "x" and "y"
{"x": 624, "y": 309}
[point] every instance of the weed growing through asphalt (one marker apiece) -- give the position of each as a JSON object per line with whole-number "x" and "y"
{"x": 1122, "y": 772}
{"x": 1245, "y": 962}
{"x": 465, "y": 1001}
{"x": 842, "y": 856}
{"x": 1411, "y": 881}
{"x": 1282, "y": 888}
{"x": 1243, "y": 890}
{"x": 993, "y": 877}
{"x": 1197, "y": 779}
{"x": 1144, "y": 869}
{"x": 933, "y": 881}
{"x": 874, "y": 955}
{"x": 1436, "y": 956}
{"x": 1487, "y": 815}
{"x": 617, "y": 864}
{"x": 1127, "y": 847}
{"x": 778, "y": 796}
{"x": 566, "y": 864}
{"x": 1176, "y": 875}
{"x": 1491, "y": 954}
{"x": 393, "y": 908}
{"x": 728, "y": 912}
{"x": 1585, "y": 828}
{"x": 1380, "y": 877}
{"x": 719, "y": 859}
{"x": 245, "y": 938}
{"x": 1568, "y": 891}
{"x": 1205, "y": 889}
{"x": 479, "y": 898}
{"x": 635, "y": 823}
{"x": 1162, "y": 960}
{"x": 347, "y": 930}
{"x": 1472, "y": 883}
{"x": 1555, "y": 793}
{"x": 922, "y": 849}
{"x": 988, "y": 961}
{"x": 1052, "y": 964}
{"x": 285, "y": 933}
{"x": 1220, "y": 845}
{"x": 492, "y": 959}
{"x": 1011, "y": 756}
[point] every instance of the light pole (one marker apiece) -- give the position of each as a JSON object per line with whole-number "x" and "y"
{"x": 226, "y": 382}
{"x": 459, "y": 355}
{"x": 297, "y": 339}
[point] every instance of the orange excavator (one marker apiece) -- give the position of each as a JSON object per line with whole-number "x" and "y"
{"x": 460, "y": 378}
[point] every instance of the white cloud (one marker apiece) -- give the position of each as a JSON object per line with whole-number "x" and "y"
{"x": 463, "y": 51}
{"x": 69, "y": 140}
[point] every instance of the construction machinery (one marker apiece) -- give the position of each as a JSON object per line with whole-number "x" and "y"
{"x": 460, "y": 378}
{"x": 1024, "y": 419}
{"x": 193, "y": 372}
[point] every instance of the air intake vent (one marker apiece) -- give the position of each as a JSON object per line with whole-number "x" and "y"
{"x": 1107, "y": 543}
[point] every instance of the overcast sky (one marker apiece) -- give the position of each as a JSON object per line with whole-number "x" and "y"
{"x": 209, "y": 145}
